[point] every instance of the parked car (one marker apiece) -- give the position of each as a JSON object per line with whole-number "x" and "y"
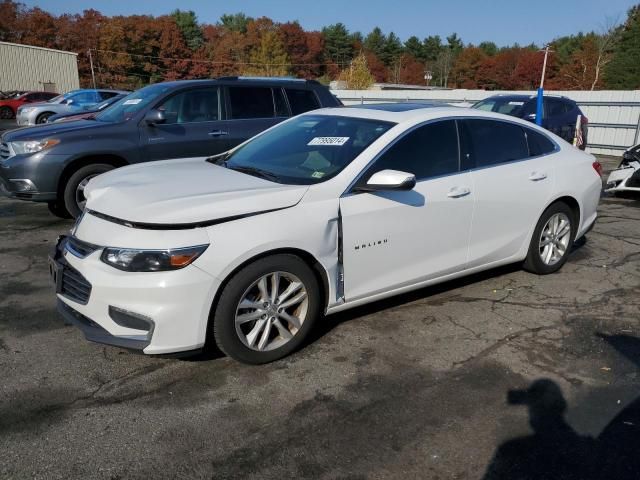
{"x": 11, "y": 94}
{"x": 626, "y": 178}
{"x": 9, "y": 106}
{"x": 71, "y": 102}
{"x": 559, "y": 113}
{"x": 53, "y": 163}
{"x": 89, "y": 112}
{"x": 327, "y": 211}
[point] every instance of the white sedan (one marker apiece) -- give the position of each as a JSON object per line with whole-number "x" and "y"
{"x": 329, "y": 210}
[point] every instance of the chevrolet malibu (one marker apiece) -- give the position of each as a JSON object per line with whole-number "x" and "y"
{"x": 324, "y": 212}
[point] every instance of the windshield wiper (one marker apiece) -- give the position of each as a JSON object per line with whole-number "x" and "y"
{"x": 256, "y": 172}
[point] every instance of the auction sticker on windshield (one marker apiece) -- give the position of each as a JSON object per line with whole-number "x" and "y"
{"x": 133, "y": 101}
{"x": 334, "y": 141}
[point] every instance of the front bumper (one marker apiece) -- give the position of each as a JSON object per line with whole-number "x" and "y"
{"x": 172, "y": 306}
{"x": 25, "y": 119}
{"x": 32, "y": 177}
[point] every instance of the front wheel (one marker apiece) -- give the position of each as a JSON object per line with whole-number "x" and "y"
{"x": 74, "y": 199}
{"x": 6, "y": 113}
{"x": 552, "y": 240}
{"x": 267, "y": 309}
{"x": 43, "y": 117}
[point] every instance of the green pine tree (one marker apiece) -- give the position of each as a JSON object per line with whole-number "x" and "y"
{"x": 623, "y": 72}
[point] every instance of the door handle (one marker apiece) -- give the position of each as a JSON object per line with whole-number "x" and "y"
{"x": 217, "y": 133}
{"x": 457, "y": 192}
{"x": 537, "y": 176}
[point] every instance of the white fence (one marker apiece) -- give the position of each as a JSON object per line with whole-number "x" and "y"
{"x": 614, "y": 116}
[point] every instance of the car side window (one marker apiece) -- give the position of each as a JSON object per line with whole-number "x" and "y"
{"x": 538, "y": 143}
{"x": 492, "y": 142}
{"x": 192, "y": 106}
{"x": 554, "y": 107}
{"x": 107, "y": 95}
{"x": 84, "y": 98}
{"x": 301, "y": 100}
{"x": 251, "y": 102}
{"x": 428, "y": 151}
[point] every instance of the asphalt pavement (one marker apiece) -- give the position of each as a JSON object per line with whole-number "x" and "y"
{"x": 413, "y": 387}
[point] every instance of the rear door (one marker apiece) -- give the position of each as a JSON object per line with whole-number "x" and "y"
{"x": 398, "y": 238}
{"x": 192, "y": 129}
{"x": 510, "y": 187}
{"x": 251, "y": 110}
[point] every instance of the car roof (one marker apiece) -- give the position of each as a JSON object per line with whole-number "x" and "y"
{"x": 415, "y": 114}
{"x": 398, "y": 107}
{"x": 523, "y": 97}
{"x": 288, "y": 81}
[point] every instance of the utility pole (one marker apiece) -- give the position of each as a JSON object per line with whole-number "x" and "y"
{"x": 539, "y": 103}
{"x": 93, "y": 75}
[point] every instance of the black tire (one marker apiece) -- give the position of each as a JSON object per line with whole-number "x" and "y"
{"x": 71, "y": 203}
{"x": 223, "y": 325}
{"x": 43, "y": 117}
{"x": 534, "y": 262}
{"x": 6, "y": 113}
{"x": 58, "y": 209}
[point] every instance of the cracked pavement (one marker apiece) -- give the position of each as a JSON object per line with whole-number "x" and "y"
{"x": 412, "y": 387}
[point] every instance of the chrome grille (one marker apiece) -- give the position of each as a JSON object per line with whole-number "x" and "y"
{"x": 74, "y": 286}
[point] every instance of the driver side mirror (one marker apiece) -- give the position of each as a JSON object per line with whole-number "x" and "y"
{"x": 155, "y": 117}
{"x": 388, "y": 180}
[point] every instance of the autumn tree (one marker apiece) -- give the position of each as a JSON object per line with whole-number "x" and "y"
{"x": 268, "y": 58}
{"x": 357, "y": 76}
{"x": 466, "y": 66}
{"x": 305, "y": 49}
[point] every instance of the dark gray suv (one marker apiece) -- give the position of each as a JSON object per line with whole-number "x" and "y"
{"x": 53, "y": 163}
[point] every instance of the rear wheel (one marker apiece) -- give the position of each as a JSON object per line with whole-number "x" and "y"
{"x": 6, "y": 113}
{"x": 74, "y": 199}
{"x": 267, "y": 309}
{"x": 58, "y": 209}
{"x": 43, "y": 117}
{"x": 552, "y": 240}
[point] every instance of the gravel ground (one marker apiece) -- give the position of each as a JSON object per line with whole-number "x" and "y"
{"x": 413, "y": 387}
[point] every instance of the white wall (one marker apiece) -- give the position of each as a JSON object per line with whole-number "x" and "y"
{"x": 614, "y": 115}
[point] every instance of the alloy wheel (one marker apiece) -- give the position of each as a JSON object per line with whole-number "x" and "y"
{"x": 555, "y": 238}
{"x": 271, "y": 311}
{"x": 81, "y": 200}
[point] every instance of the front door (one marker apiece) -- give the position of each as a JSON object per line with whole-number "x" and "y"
{"x": 398, "y": 238}
{"x": 193, "y": 127}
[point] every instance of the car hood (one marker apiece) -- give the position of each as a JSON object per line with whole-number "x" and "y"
{"x": 47, "y": 130}
{"x": 184, "y": 193}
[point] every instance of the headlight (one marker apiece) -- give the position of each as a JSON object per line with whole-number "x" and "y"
{"x": 132, "y": 260}
{"x": 26, "y": 109}
{"x": 33, "y": 146}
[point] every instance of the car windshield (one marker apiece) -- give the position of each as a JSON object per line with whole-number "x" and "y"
{"x": 308, "y": 149}
{"x": 128, "y": 106}
{"x": 501, "y": 105}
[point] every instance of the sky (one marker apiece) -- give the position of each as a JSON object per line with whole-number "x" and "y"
{"x": 504, "y": 22}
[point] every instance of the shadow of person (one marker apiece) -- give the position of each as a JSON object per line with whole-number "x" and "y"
{"x": 554, "y": 451}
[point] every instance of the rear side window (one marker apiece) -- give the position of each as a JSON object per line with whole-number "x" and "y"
{"x": 251, "y": 102}
{"x": 539, "y": 144}
{"x": 427, "y": 151}
{"x": 554, "y": 107}
{"x": 301, "y": 101}
{"x": 107, "y": 95}
{"x": 491, "y": 142}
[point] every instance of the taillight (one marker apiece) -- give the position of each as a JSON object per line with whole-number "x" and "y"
{"x": 597, "y": 166}
{"x": 585, "y": 120}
